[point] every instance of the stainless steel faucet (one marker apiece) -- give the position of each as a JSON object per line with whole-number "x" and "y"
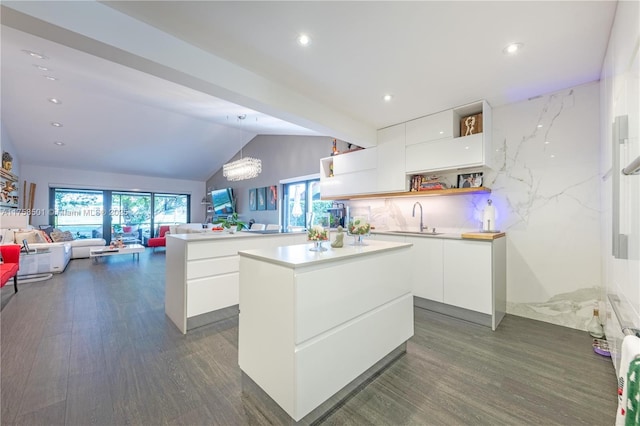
{"x": 413, "y": 214}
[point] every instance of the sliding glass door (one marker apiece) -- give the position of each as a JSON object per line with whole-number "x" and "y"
{"x": 79, "y": 212}
{"x": 131, "y": 216}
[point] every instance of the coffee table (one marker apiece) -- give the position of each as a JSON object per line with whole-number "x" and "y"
{"x": 132, "y": 249}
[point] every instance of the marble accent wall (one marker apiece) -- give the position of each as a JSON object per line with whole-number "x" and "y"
{"x": 545, "y": 186}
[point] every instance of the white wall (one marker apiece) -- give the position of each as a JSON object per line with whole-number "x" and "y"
{"x": 46, "y": 177}
{"x": 283, "y": 157}
{"x": 547, "y": 196}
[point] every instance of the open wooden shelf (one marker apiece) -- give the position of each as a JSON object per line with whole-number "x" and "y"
{"x": 432, "y": 193}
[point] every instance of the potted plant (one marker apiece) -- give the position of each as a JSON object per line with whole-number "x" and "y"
{"x": 230, "y": 222}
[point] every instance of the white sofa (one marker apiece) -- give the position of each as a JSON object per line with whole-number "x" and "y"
{"x": 189, "y": 228}
{"x": 55, "y": 260}
{"x": 78, "y": 248}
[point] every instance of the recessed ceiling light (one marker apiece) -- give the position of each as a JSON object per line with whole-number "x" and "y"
{"x": 304, "y": 40}
{"x": 56, "y": 124}
{"x": 512, "y": 48}
{"x": 547, "y": 142}
{"x": 552, "y": 156}
{"x": 539, "y": 126}
{"x": 41, "y": 68}
{"x": 50, "y": 78}
{"x": 34, "y": 54}
{"x": 387, "y": 97}
{"x": 55, "y": 101}
{"x": 58, "y": 143}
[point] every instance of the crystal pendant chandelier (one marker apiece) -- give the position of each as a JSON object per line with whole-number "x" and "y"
{"x": 244, "y": 168}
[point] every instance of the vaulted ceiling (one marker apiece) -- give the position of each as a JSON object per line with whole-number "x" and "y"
{"x": 156, "y": 87}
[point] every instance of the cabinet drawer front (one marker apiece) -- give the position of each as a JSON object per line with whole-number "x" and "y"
{"x": 350, "y": 290}
{"x": 357, "y": 161}
{"x": 445, "y": 154}
{"x": 208, "y": 249}
{"x": 210, "y": 267}
{"x": 431, "y": 127}
{"x": 327, "y": 365}
{"x": 212, "y": 293}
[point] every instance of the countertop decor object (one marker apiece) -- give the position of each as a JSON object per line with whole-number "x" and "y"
{"x": 317, "y": 234}
{"x": 318, "y": 231}
{"x": 358, "y": 224}
{"x": 339, "y": 241}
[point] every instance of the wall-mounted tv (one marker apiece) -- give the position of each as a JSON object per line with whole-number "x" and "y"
{"x": 222, "y": 200}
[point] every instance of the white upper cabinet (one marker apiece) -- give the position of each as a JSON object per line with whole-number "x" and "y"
{"x": 431, "y": 127}
{"x": 391, "y": 159}
{"x": 443, "y": 141}
{"x": 355, "y": 161}
{"x": 347, "y": 174}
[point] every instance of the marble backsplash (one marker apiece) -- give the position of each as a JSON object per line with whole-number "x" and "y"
{"x": 545, "y": 187}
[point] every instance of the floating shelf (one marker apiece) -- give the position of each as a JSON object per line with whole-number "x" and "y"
{"x": 432, "y": 193}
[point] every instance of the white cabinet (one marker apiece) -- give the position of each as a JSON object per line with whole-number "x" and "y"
{"x": 203, "y": 272}
{"x": 431, "y": 127}
{"x": 357, "y": 161}
{"x": 391, "y": 159}
{"x": 308, "y": 328}
{"x": 433, "y": 143}
{"x": 474, "y": 277}
{"x": 349, "y": 174}
{"x": 427, "y": 267}
{"x": 467, "y": 275}
{"x": 458, "y": 277}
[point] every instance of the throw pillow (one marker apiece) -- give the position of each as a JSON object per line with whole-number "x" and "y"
{"x": 59, "y": 236}
{"x": 45, "y": 237}
{"x": 32, "y": 237}
{"x": 47, "y": 229}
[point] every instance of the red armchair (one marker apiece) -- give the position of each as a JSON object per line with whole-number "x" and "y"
{"x": 161, "y": 239}
{"x": 11, "y": 264}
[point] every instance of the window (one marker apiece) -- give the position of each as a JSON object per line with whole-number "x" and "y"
{"x": 169, "y": 209}
{"x": 79, "y": 212}
{"x": 132, "y": 216}
{"x": 301, "y": 200}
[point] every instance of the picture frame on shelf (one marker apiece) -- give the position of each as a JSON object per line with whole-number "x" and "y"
{"x": 261, "y": 196}
{"x": 253, "y": 204}
{"x": 272, "y": 197}
{"x": 470, "y": 180}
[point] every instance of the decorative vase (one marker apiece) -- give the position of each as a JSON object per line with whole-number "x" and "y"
{"x": 358, "y": 240}
{"x": 358, "y": 224}
{"x": 317, "y": 246}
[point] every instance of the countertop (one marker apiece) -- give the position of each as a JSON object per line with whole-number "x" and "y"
{"x": 298, "y": 256}
{"x": 482, "y": 236}
{"x": 215, "y": 235}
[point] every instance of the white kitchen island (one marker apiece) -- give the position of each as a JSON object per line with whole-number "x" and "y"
{"x": 201, "y": 281}
{"x": 314, "y": 325}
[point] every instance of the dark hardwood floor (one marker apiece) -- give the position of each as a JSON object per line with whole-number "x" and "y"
{"x": 92, "y": 346}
